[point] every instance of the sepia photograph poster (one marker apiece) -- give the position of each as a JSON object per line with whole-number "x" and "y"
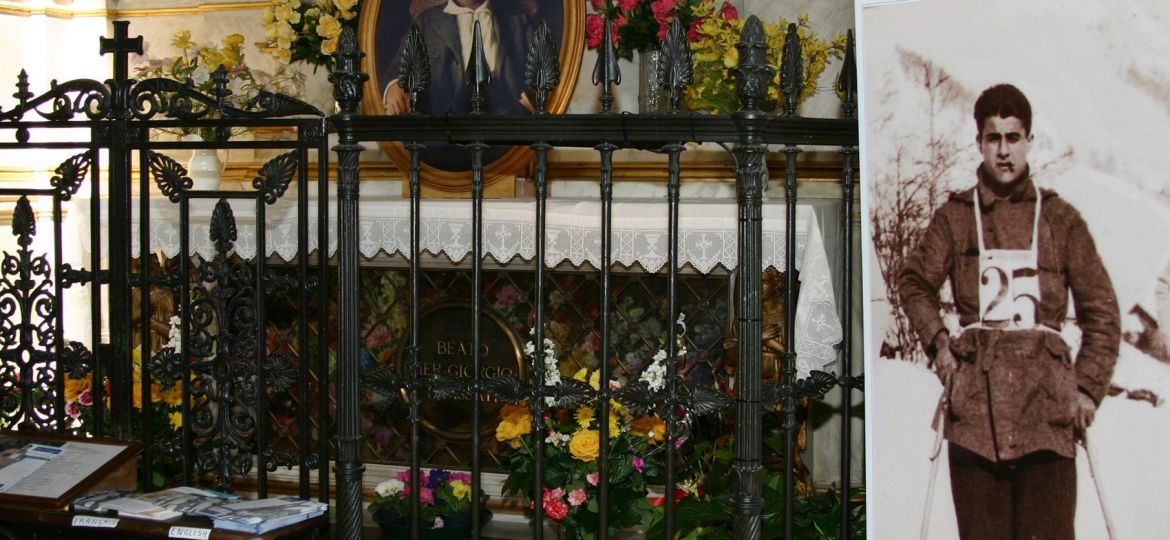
{"x": 1017, "y": 241}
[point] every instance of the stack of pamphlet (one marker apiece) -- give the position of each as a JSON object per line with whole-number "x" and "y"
{"x": 263, "y": 515}
{"x": 18, "y": 462}
{"x": 156, "y": 506}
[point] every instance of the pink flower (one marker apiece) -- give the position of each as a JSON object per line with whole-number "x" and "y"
{"x": 404, "y": 476}
{"x": 72, "y": 410}
{"x": 598, "y": 4}
{"x": 379, "y": 335}
{"x": 462, "y": 477}
{"x": 594, "y": 26}
{"x": 593, "y": 478}
{"x": 426, "y": 496}
{"x": 628, "y": 5}
{"x": 85, "y": 398}
{"x": 662, "y": 31}
{"x": 618, "y": 23}
{"x": 639, "y": 463}
{"x": 577, "y": 497}
{"x": 729, "y": 12}
{"x": 693, "y": 34}
{"x": 661, "y": 10}
{"x": 553, "y": 505}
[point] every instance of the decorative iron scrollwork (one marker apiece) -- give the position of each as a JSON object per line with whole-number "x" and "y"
{"x": 27, "y": 330}
{"x": 224, "y": 387}
{"x": 416, "y": 67}
{"x": 170, "y": 177}
{"x": 542, "y": 68}
{"x": 275, "y": 176}
{"x": 753, "y": 72}
{"x": 791, "y": 70}
{"x": 76, "y": 360}
{"x": 815, "y": 386}
{"x": 677, "y": 68}
{"x": 68, "y": 99}
{"x": 70, "y": 174}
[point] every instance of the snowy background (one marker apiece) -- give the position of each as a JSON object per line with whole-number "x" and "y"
{"x": 1098, "y": 76}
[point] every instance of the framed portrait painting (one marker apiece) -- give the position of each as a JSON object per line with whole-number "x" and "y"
{"x": 446, "y": 28}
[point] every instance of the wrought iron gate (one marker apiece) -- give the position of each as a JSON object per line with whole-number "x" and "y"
{"x": 221, "y": 282}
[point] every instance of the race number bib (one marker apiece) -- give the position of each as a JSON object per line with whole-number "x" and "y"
{"x": 1009, "y": 288}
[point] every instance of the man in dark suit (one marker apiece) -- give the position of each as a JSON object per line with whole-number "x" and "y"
{"x": 447, "y": 29}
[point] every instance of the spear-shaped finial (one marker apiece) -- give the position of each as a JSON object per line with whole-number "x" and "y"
{"x": 478, "y": 75}
{"x": 847, "y": 79}
{"x": 606, "y": 70}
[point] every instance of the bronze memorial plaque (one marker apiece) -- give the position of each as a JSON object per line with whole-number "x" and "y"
{"x": 445, "y": 346}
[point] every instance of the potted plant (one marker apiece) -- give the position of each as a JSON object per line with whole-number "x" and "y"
{"x": 445, "y": 501}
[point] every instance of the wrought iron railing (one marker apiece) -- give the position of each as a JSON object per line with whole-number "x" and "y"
{"x": 225, "y": 370}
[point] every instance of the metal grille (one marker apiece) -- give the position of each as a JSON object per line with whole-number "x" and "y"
{"x": 278, "y": 366}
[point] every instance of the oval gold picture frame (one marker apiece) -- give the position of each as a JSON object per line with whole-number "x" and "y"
{"x": 436, "y": 181}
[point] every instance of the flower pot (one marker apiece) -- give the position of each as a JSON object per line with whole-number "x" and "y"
{"x": 457, "y": 527}
{"x": 651, "y": 97}
{"x": 205, "y": 168}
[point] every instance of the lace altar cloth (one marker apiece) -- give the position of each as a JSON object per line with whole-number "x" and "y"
{"x": 708, "y": 238}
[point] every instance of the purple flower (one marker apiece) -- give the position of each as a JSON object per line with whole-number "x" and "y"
{"x": 639, "y": 463}
{"x": 438, "y": 477}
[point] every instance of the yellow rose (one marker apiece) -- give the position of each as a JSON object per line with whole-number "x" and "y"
{"x": 460, "y": 489}
{"x": 515, "y": 420}
{"x": 176, "y": 420}
{"x": 328, "y": 27}
{"x": 345, "y": 5}
{"x": 585, "y": 445}
{"x": 329, "y": 46}
{"x": 233, "y": 39}
{"x": 287, "y": 13}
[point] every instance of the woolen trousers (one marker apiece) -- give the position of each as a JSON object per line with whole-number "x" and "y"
{"x": 1031, "y": 498}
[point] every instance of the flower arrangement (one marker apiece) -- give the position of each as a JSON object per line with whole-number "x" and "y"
{"x": 306, "y": 31}
{"x": 573, "y": 449}
{"x": 444, "y": 500}
{"x": 638, "y": 25}
{"x": 197, "y": 63}
{"x": 714, "y": 35}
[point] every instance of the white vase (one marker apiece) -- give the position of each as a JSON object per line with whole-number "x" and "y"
{"x": 205, "y": 168}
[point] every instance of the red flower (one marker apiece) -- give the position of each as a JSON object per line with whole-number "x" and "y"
{"x": 618, "y": 23}
{"x": 628, "y": 5}
{"x": 662, "y": 31}
{"x": 598, "y": 4}
{"x": 693, "y": 34}
{"x": 553, "y": 505}
{"x": 661, "y": 10}
{"x": 729, "y": 12}
{"x": 594, "y": 26}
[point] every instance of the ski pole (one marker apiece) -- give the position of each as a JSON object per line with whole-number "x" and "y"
{"x": 944, "y": 404}
{"x": 1100, "y": 488}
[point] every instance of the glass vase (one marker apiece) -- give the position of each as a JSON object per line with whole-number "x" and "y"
{"x": 651, "y": 97}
